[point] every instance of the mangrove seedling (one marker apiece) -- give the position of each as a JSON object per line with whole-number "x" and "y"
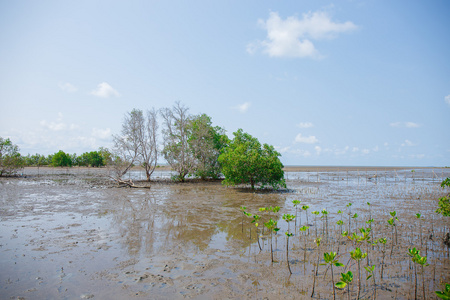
{"x": 419, "y": 260}
{"x": 243, "y": 210}
{"x": 345, "y": 280}
{"x": 305, "y": 208}
{"x": 255, "y": 221}
{"x": 392, "y": 223}
{"x": 357, "y": 255}
{"x": 272, "y": 226}
{"x": 315, "y": 213}
{"x": 340, "y": 223}
{"x": 330, "y": 260}
{"x": 355, "y": 216}
{"x": 349, "y": 215}
{"x": 325, "y": 215}
{"x": 422, "y": 261}
{"x": 418, "y": 216}
{"x": 288, "y": 218}
{"x": 382, "y": 241}
{"x": 316, "y": 270}
{"x": 445, "y": 294}
{"x": 413, "y": 253}
{"x": 370, "y": 271}
{"x": 296, "y": 203}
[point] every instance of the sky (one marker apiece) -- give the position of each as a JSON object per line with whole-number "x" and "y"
{"x": 341, "y": 83}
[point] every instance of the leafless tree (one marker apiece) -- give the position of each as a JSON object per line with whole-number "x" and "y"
{"x": 137, "y": 144}
{"x": 126, "y": 145}
{"x": 176, "y": 133}
{"x": 148, "y": 138}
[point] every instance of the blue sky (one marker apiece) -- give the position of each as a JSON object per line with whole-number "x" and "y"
{"x": 327, "y": 83}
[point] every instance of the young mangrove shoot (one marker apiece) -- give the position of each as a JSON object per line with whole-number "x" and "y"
{"x": 345, "y": 280}
{"x": 330, "y": 260}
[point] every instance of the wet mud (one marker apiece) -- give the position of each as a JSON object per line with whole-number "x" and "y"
{"x": 71, "y": 234}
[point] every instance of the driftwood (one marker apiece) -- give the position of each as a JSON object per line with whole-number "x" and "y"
{"x": 128, "y": 183}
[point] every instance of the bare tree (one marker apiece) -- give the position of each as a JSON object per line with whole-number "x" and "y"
{"x": 137, "y": 144}
{"x": 127, "y": 144}
{"x": 176, "y": 133}
{"x": 148, "y": 137}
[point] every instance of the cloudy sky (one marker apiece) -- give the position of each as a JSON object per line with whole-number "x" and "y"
{"x": 356, "y": 82}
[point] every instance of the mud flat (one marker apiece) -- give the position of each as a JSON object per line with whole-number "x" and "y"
{"x": 70, "y": 234}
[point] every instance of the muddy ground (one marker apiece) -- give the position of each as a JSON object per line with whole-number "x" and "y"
{"x": 71, "y": 234}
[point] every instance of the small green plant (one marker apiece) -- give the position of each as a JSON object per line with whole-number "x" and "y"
{"x": 315, "y": 213}
{"x": 296, "y": 204}
{"x": 288, "y": 218}
{"x": 349, "y": 206}
{"x": 392, "y": 223}
{"x": 445, "y": 294}
{"x": 305, "y": 208}
{"x": 418, "y": 260}
{"x": 358, "y": 255}
{"x": 271, "y": 225}
{"x": 444, "y": 207}
{"x": 255, "y": 221}
{"x": 382, "y": 241}
{"x": 419, "y": 217}
{"x": 317, "y": 241}
{"x": 370, "y": 271}
{"x": 325, "y": 215}
{"x": 345, "y": 280}
{"x": 243, "y": 210}
{"x": 330, "y": 260}
{"x": 355, "y": 216}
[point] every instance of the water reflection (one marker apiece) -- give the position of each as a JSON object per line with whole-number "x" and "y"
{"x": 173, "y": 215}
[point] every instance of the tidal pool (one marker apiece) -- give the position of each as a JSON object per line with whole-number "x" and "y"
{"x": 70, "y": 234}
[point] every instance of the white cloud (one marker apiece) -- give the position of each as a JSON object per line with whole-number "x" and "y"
{"x": 318, "y": 150}
{"x": 365, "y": 151}
{"x": 301, "y": 152}
{"x": 101, "y": 133}
{"x": 305, "y": 139}
{"x": 341, "y": 151}
{"x": 292, "y": 37}
{"x": 355, "y": 149}
{"x": 242, "y": 108}
{"x": 305, "y": 125}
{"x": 447, "y": 99}
{"x": 411, "y": 125}
{"x": 58, "y": 125}
{"x": 283, "y": 150}
{"x": 53, "y": 125}
{"x": 375, "y": 149}
{"x": 407, "y": 143}
{"x": 67, "y": 87}
{"x": 104, "y": 90}
{"x": 404, "y": 125}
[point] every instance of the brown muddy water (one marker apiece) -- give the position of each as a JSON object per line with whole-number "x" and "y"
{"x": 70, "y": 234}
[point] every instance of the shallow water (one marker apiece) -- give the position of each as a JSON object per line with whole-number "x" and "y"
{"x": 62, "y": 235}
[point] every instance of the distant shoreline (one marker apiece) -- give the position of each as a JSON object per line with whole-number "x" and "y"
{"x": 285, "y": 169}
{"x": 349, "y": 168}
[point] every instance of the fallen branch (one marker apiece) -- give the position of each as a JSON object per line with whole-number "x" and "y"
{"x": 128, "y": 183}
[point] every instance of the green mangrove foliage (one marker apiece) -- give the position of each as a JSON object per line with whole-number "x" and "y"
{"x": 245, "y": 161}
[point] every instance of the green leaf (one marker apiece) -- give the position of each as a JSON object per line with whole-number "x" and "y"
{"x": 338, "y": 264}
{"x": 368, "y": 277}
{"x": 442, "y": 295}
{"x": 340, "y": 284}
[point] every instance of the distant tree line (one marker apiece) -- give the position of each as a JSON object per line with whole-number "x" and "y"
{"x": 190, "y": 144}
